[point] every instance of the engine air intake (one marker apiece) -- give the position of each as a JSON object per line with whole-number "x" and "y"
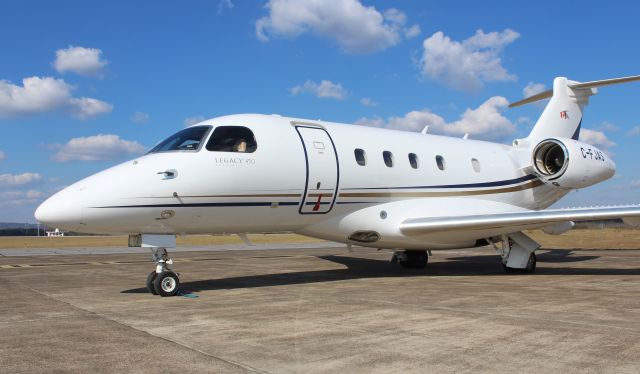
{"x": 550, "y": 158}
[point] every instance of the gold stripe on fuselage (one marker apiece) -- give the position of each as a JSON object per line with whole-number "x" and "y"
{"x": 294, "y": 195}
{"x": 318, "y": 194}
{"x": 521, "y": 187}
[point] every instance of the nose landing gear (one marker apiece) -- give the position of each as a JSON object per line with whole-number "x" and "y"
{"x": 163, "y": 281}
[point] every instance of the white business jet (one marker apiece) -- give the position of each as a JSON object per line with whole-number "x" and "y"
{"x": 410, "y": 192}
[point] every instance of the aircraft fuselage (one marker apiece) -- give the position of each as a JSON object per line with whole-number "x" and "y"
{"x": 303, "y": 176}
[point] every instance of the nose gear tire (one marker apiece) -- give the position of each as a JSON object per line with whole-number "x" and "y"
{"x": 150, "y": 278}
{"x": 166, "y": 284}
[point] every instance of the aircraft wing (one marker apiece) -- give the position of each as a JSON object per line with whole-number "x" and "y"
{"x": 518, "y": 220}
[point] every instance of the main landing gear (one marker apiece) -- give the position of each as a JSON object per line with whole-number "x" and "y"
{"x": 411, "y": 259}
{"x": 517, "y": 253}
{"x": 163, "y": 281}
{"x": 528, "y": 269}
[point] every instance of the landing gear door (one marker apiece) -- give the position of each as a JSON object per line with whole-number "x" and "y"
{"x": 322, "y": 170}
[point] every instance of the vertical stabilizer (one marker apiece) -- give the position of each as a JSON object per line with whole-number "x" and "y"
{"x": 562, "y": 116}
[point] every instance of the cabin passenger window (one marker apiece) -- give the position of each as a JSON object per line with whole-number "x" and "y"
{"x": 361, "y": 157}
{"x": 440, "y": 162}
{"x": 232, "y": 139}
{"x": 388, "y": 158}
{"x": 186, "y": 140}
{"x": 476, "y": 165}
{"x": 413, "y": 160}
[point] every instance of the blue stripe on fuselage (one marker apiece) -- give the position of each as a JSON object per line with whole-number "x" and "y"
{"x": 466, "y": 185}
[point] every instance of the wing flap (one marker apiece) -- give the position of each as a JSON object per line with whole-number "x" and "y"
{"x": 519, "y": 220}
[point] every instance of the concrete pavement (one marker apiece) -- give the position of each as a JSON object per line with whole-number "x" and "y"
{"x": 322, "y": 310}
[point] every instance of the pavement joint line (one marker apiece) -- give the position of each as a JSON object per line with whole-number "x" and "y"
{"x": 459, "y": 310}
{"x": 105, "y": 317}
{"x": 467, "y": 311}
{"x": 38, "y": 319}
{"x": 177, "y": 261}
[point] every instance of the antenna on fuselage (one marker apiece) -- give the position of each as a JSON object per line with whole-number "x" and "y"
{"x": 466, "y": 136}
{"x": 424, "y": 131}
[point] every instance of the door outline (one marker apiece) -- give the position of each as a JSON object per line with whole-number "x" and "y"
{"x": 298, "y": 125}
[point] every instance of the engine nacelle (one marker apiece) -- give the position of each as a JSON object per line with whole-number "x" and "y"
{"x": 568, "y": 163}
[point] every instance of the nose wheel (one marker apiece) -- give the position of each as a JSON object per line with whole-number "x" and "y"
{"x": 150, "y": 287}
{"x": 163, "y": 281}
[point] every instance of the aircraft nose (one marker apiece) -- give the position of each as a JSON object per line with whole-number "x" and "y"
{"x": 61, "y": 210}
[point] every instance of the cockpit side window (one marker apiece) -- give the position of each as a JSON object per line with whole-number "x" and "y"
{"x": 186, "y": 140}
{"x": 232, "y": 139}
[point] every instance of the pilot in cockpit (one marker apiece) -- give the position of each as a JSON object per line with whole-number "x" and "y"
{"x": 240, "y": 146}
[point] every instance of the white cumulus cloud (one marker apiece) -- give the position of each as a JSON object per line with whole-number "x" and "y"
{"x": 17, "y": 198}
{"x": 29, "y": 194}
{"x": 354, "y": 27}
{"x": 190, "y": 121}
{"x": 80, "y": 60}
{"x": 597, "y": 138}
{"x": 325, "y": 90}
{"x": 45, "y": 94}
{"x": 485, "y": 121}
{"x": 86, "y": 107}
{"x": 466, "y": 65}
{"x": 15, "y": 180}
{"x": 412, "y": 32}
{"x": 635, "y": 131}
{"x": 607, "y": 126}
{"x": 223, "y": 5}
{"x": 140, "y": 117}
{"x": 532, "y": 89}
{"x": 100, "y": 147}
{"x": 367, "y": 101}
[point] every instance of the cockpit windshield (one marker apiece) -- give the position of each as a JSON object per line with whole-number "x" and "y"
{"x": 186, "y": 140}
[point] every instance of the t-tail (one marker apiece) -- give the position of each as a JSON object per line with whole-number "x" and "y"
{"x": 562, "y": 116}
{"x": 552, "y": 149}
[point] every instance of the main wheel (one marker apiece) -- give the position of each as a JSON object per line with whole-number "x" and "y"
{"x": 415, "y": 260}
{"x": 166, "y": 284}
{"x": 509, "y": 270}
{"x": 530, "y": 268}
{"x": 531, "y": 264}
{"x": 150, "y": 278}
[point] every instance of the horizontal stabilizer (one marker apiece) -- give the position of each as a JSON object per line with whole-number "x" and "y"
{"x": 605, "y": 82}
{"x": 515, "y": 220}
{"x": 576, "y": 86}
{"x": 531, "y": 99}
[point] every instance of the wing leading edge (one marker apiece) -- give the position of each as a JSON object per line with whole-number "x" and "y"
{"x": 517, "y": 220}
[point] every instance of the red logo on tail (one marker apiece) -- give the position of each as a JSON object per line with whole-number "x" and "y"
{"x": 564, "y": 114}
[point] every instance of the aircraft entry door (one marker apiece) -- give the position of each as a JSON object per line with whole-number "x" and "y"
{"x": 322, "y": 170}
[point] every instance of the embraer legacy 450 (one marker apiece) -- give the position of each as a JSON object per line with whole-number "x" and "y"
{"x": 410, "y": 192}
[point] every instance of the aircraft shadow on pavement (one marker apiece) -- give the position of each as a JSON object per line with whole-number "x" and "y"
{"x": 546, "y": 256}
{"x": 364, "y": 268}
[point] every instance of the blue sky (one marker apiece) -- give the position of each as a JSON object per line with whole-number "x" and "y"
{"x": 87, "y": 84}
